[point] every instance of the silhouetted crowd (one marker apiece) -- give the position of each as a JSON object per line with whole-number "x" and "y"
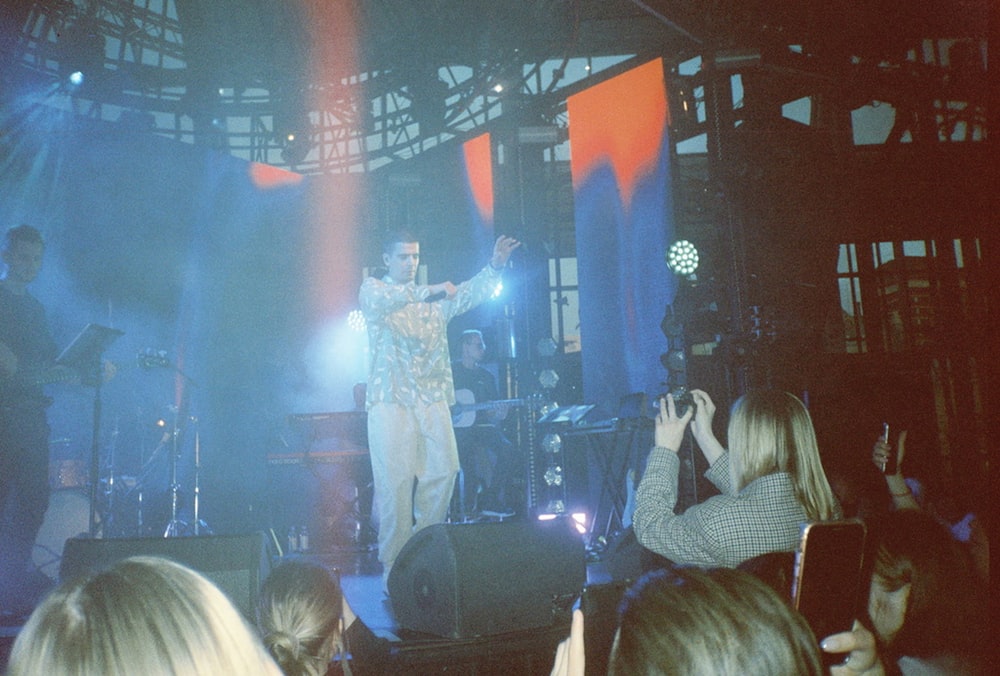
{"x": 720, "y": 603}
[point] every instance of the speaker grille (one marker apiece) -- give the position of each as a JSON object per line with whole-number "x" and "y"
{"x": 236, "y": 564}
{"x": 467, "y": 580}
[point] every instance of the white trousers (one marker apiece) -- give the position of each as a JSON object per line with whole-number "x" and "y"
{"x": 414, "y": 463}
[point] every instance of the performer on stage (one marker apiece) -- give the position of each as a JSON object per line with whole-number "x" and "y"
{"x": 25, "y": 344}
{"x": 488, "y": 459}
{"x": 410, "y": 388}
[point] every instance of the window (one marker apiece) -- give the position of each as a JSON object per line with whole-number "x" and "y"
{"x": 912, "y": 285}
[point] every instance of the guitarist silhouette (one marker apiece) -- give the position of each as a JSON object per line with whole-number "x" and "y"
{"x": 28, "y": 360}
{"x": 489, "y": 460}
{"x": 25, "y": 343}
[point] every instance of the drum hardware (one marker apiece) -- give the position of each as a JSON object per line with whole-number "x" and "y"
{"x": 66, "y": 517}
{"x": 175, "y": 526}
{"x": 199, "y": 524}
{"x": 85, "y": 355}
{"x": 108, "y": 514}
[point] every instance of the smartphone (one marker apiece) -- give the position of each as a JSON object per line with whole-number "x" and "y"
{"x": 889, "y": 466}
{"x": 599, "y": 603}
{"x": 827, "y": 581}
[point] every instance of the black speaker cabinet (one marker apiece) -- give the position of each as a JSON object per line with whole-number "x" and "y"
{"x": 467, "y": 580}
{"x": 237, "y": 564}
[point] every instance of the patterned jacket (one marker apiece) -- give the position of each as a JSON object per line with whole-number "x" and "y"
{"x": 725, "y": 529}
{"x": 408, "y": 338}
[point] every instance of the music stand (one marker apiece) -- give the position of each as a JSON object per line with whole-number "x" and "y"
{"x": 566, "y": 414}
{"x": 84, "y": 355}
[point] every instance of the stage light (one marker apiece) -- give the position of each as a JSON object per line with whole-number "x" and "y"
{"x": 548, "y": 136}
{"x": 556, "y": 507}
{"x": 80, "y": 53}
{"x": 296, "y": 149}
{"x": 497, "y": 291}
{"x": 671, "y": 325}
{"x": 682, "y": 257}
{"x": 552, "y": 443}
{"x": 553, "y": 476}
{"x": 356, "y": 320}
{"x": 675, "y": 360}
{"x": 548, "y": 379}
{"x": 546, "y": 347}
{"x": 580, "y": 522}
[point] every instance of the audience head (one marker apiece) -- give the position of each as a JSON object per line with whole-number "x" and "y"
{"x": 687, "y": 620}
{"x": 771, "y": 431}
{"x": 145, "y": 615}
{"x": 300, "y": 614}
{"x": 924, "y": 599}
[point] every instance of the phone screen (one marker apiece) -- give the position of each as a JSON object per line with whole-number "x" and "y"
{"x": 889, "y": 467}
{"x": 828, "y": 575}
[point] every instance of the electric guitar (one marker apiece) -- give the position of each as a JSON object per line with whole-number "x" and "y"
{"x": 60, "y": 373}
{"x": 463, "y": 413}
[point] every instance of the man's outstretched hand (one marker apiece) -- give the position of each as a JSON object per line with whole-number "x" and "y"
{"x": 502, "y": 250}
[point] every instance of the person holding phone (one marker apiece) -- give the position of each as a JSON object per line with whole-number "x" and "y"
{"x": 965, "y": 524}
{"x": 889, "y": 461}
{"x": 771, "y": 482}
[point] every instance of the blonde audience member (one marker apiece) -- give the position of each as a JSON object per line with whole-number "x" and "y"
{"x": 771, "y": 482}
{"x": 146, "y": 616}
{"x": 301, "y": 617}
{"x": 310, "y": 628}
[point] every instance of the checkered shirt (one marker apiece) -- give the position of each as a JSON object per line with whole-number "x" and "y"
{"x": 725, "y": 529}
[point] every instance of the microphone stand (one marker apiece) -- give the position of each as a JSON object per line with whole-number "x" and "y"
{"x": 199, "y": 524}
{"x": 95, "y": 451}
{"x": 176, "y": 527}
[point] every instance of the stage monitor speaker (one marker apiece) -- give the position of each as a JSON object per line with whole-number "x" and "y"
{"x": 237, "y": 564}
{"x": 481, "y": 579}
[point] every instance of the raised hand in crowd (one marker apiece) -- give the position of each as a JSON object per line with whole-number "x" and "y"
{"x": 862, "y": 651}
{"x": 570, "y": 656}
{"x": 882, "y": 453}
{"x": 701, "y": 426}
{"x": 668, "y": 431}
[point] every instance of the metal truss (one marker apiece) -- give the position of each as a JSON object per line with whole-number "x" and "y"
{"x": 362, "y": 122}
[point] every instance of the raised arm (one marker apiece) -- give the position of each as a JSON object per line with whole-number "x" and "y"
{"x": 502, "y": 249}
{"x": 902, "y": 497}
{"x": 379, "y": 299}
